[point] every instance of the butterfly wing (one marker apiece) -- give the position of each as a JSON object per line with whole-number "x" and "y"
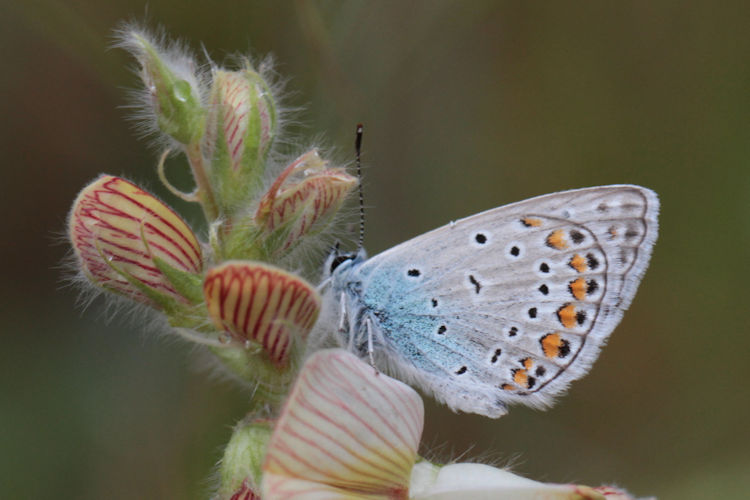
{"x": 512, "y": 304}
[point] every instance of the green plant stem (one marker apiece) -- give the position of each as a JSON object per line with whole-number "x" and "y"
{"x": 205, "y": 193}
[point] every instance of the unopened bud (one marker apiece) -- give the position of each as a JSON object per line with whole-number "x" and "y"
{"x": 170, "y": 79}
{"x": 241, "y": 128}
{"x": 303, "y": 200}
{"x": 262, "y": 303}
{"x": 129, "y": 242}
{"x": 240, "y": 468}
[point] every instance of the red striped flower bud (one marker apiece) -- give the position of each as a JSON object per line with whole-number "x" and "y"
{"x": 261, "y": 303}
{"x": 129, "y": 242}
{"x": 241, "y": 129}
{"x": 302, "y": 200}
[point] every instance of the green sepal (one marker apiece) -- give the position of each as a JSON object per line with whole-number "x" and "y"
{"x": 187, "y": 284}
{"x": 251, "y": 364}
{"x": 162, "y": 300}
{"x": 243, "y": 241}
{"x": 243, "y": 457}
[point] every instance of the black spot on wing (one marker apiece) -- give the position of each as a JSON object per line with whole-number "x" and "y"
{"x": 580, "y": 317}
{"x": 592, "y": 261}
{"x": 477, "y": 284}
{"x": 577, "y": 236}
{"x": 497, "y": 354}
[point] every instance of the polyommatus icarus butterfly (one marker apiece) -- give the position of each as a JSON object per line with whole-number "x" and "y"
{"x": 506, "y": 306}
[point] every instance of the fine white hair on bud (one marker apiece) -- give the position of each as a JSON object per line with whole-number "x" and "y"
{"x": 170, "y": 104}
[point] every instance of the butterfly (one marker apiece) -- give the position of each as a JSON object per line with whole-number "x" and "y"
{"x": 508, "y": 306}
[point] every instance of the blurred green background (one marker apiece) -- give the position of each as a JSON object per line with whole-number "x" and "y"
{"x": 467, "y": 106}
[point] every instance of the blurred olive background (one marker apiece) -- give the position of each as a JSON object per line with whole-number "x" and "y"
{"x": 467, "y": 106}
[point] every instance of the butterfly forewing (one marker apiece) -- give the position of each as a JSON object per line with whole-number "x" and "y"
{"x": 512, "y": 304}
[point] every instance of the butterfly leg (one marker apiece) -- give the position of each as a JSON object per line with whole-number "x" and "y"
{"x": 323, "y": 284}
{"x": 370, "y": 347}
{"x": 342, "y": 323}
{"x": 342, "y": 316}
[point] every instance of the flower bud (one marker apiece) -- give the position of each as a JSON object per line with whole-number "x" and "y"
{"x": 302, "y": 200}
{"x": 241, "y": 128}
{"x": 240, "y": 469}
{"x": 169, "y": 77}
{"x": 245, "y": 492}
{"x": 129, "y": 242}
{"x": 254, "y": 301}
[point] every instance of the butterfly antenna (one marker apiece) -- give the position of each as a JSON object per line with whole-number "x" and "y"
{"x": 358, "y": 149}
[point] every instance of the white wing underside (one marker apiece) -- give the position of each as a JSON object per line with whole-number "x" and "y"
{"x": 512, "y": 304}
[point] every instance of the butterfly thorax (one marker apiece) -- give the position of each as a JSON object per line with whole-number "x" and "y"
{"x": 342, "y": 270}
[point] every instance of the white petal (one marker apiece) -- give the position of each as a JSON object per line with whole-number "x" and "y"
{"x": 479, "y": 482}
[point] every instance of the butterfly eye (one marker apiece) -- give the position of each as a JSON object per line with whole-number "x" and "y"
{"x": 340, "y": 259}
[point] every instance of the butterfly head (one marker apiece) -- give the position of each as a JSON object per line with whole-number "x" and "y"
{"x": 338, "y": 261}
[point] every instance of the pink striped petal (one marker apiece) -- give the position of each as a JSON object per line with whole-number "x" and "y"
{"x": 280, "y": 487}
{"x": 116, "y": 226}
{"x": 260, "y": 302}
{"x": 300, "y": 206}
{"x": 345, "y": 430}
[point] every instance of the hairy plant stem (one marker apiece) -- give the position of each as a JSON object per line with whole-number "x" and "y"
{"x": 206, "y": 195}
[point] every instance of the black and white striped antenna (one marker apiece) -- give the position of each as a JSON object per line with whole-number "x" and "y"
{"x": 358, "y": 149}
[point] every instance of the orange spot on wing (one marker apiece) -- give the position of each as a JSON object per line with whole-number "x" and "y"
{"x": 567, "y": 315}
{"x": 554, "y": 346}
{"x": 521, "y": 377}
{"x": 527, "y": 363}
{"x": 551, "y": 345}
{"x": 556, "y": 240}
{"x": 578, "y": 262}
{"x": 507, "y": 387}
{"x": 531, "y": 222}
{"x": 578, "y": 288}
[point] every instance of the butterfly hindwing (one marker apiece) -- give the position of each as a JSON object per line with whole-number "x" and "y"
{"x": 512, "y": 304}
